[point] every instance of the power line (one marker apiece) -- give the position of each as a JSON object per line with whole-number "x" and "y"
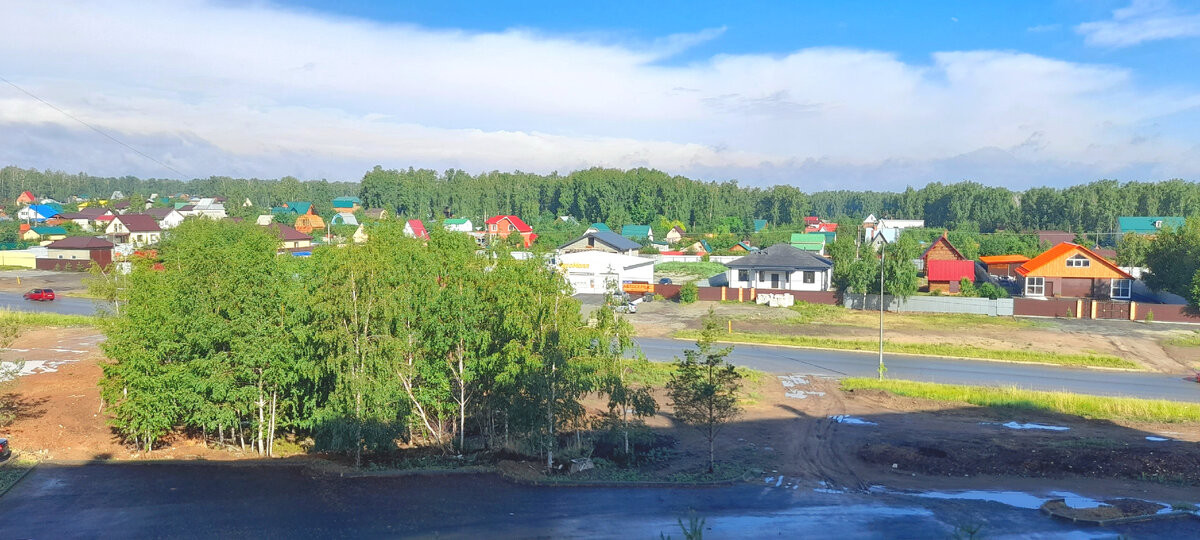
{"x": 96, "y": 129}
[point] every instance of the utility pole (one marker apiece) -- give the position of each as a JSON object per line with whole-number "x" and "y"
{"x": 882, "y": 268}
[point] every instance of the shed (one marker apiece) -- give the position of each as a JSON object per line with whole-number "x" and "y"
{"x": 598, "y": 272}
{"x": 944, "y": 275}
{"x": 1004, "y": 265}
{"x": 76, "y": 253}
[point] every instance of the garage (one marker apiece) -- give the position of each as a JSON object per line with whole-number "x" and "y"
{"x": 595, "y": 272}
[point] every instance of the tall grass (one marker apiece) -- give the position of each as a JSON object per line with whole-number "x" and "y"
{"x": 931, "y": 349}
{"x": 1095, "y": 407}
{"x": 1189, "y": 340}
{"x": 27, "y": 318}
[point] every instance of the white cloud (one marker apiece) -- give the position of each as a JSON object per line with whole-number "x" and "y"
{"x": 213, "y": 89}
{"x": 1141, "y": 21}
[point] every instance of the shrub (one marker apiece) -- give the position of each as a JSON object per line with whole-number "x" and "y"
{"x": 1149, "y": 315}
{"x": 992, "y": 291}
{"x": 689, "y": 293}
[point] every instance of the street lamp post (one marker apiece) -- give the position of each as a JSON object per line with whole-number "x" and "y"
{"x": 882, "y": 268}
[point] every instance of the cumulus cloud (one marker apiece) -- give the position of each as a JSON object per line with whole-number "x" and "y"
{"x": 217, "y": 89}
{"x": 1141, "y": 21}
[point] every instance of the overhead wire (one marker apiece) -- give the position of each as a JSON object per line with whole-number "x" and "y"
{"x": 97, "y": 130}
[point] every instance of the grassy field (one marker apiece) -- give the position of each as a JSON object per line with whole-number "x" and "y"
{"x": 931, "y": 349}
{"x": 1095, "y": 407}
{"x": 1190, "y": 340}
{"x": 25, "y": 318}
{"x": 838, "y": 315}
{"x": 697, "y": 269}
{"x": 14, "y": 469}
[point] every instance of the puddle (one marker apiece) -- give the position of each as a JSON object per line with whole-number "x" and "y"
{"x": 1018, "y": 425}
{"x": 1156, "y": 439}
{"x": 801, "y": 394}
{"x": 792, "y": 381}
{"x": 846, "y": 419}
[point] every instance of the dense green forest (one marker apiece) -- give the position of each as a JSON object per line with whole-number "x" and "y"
{"x": 617, "y": 197}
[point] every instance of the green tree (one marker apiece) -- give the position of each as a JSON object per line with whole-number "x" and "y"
{"x": 1132, "y": 249}
{"x": 627, "y": 404}
{"x": 703, "y": 390}
{"x": 1173, "y": 257}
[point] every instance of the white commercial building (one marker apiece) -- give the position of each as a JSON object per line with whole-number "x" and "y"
{"x": 597, "y": 272}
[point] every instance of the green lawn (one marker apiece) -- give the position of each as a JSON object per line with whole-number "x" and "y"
{"x": 931, "y": 349}
{"x": 25, "y": 318}
{"x": 697, "y": 269}
{"x": 1190, "y": 340}
{"x": 1095, "y": 407}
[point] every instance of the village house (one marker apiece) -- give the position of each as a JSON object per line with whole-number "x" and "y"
{"x": 136, "y": 229}
{"x": 877, "y": 230}
{"x": 307, "y": 223}
{"x": 76, "y": 253}
{"x": 347, "y": 204}
{"x": 502, "y": 226}
{"x": 413, "y": 228}
{"x": 812, "y": 242}
{"x": 375, "y": 213}
{"x": 1004, "y": 265}
{"x": 1072, "y": 270}
{"x": 167, "y": 218}
{"x": 26, "y": 197}
{"x": 291, "y": 240}
{"x": 674, "y": 235}
{"x": 941, "y": 250}
{"x": 38, "y": 213}
{"x": 606, "y": 241}
{"x": 783, "y": 267}
{"x": 264, "y": 219}
{"x": 596, "y": 227}
{"x": 360, "y": 235}
{"x": 458, "y": 225}
{"x": 211, "y": 208}
{"x": 1148, "y": 225}
{"x": 87, "y": 218}
{"x": 598, "y": 272}
{"x": 1054, "y": 237}
{"x": 44, "y": 234}
{"x": 638, "y": 233}
{"x": 946, "y": 275}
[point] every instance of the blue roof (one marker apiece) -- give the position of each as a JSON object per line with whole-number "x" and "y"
{"x": 45, "y": 210}
{"x": 1148, "y": 224}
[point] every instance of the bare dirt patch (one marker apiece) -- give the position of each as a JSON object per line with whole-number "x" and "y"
{"x": 70, "y": 283}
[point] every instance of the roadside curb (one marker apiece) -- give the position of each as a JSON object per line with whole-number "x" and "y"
{"x": 972, "y": 359}
{"x": 8, "y": 463}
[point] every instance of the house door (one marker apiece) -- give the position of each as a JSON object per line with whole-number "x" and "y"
{"x": 774, "y": 281}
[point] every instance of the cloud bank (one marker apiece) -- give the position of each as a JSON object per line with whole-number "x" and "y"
{"x": 215, "y": 89}
{"x": 1140, "y": 22}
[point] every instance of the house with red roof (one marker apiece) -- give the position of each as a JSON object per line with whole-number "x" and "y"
{"x": 291, "y": 240}
{"x": 136, "y": 229}
{"x": 26, "y": 197}
{"x": 946, "y": 275}
{"x": 415, "y": 229}
{"x": 941, "y": 250}
{"x": 76, "y": 253}
{"x": 1072, "y": 270}
{"x": 502, "y": 226}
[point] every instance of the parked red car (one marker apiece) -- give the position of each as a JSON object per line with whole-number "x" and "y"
{"x": 5, "y": 451}
{"x": 41, "y": 295}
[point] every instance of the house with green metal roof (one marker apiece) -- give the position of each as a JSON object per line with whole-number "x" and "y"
{"x": 1147, "y": 224}
{"x": 44, "y": 234}
{"x": 597, "y": 227}
{"x": 347, "y": 204}
{"x": 814, "y": 242}
{"x": 457, "y": 225}
{"x": 299, "y": 207}
{"x": 637, "y": 232}
{"x": 760, "y": 224}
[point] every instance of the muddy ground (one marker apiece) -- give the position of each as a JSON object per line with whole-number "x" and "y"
{"x": 803, "y": 429}
{"x": 1143, "y": 343}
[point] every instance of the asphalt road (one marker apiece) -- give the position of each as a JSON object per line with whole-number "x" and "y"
{"x": 189, "y": 500}
{"x": 788, "y": 360}
{"x": 63, "y": 304}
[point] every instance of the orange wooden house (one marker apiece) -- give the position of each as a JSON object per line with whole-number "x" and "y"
{"x": 1074, "y": 271}
{"x": 307, "y": 223}
{"x": 1004, "y": 265}
{"x": 26, "y": 197}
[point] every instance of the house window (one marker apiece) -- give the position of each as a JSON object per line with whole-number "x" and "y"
{"x": 1158, "y": 224}
{"x": 1035, "y": 286}
{"x": 810, "y": 277}
{"x": 1079, "y": 261}
{"x": 1122, "y": 288}
{"x": 744, "y": 275}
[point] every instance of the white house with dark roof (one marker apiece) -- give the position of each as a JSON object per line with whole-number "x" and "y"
{"x": 606, "y": 241}
{"x": 781, "y": 266}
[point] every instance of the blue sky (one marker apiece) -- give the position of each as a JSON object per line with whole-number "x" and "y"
{"x": 823, "y": 95}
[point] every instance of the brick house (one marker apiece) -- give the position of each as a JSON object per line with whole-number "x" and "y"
{"x": 502, "y": 226}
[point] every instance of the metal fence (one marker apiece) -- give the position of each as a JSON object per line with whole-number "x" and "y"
{"x": 931, "y": 304}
